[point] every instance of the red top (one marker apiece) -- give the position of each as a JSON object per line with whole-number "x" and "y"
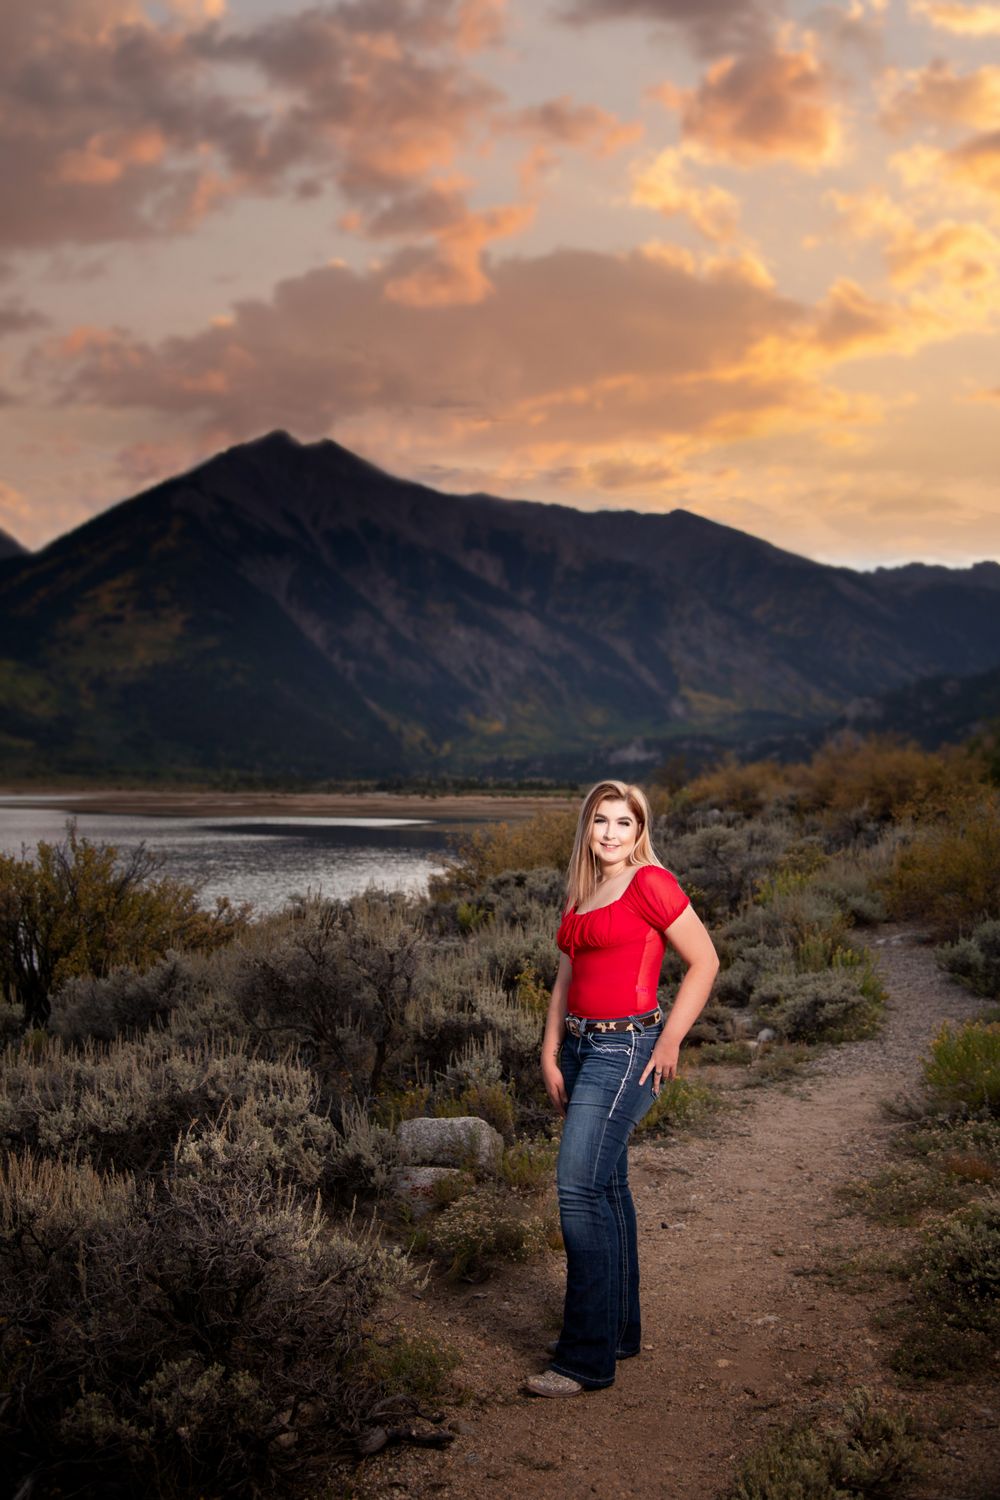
{"x": 617, "y": 950}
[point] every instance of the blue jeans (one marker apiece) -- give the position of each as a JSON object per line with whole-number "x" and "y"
{"x": 601, "y": 1315}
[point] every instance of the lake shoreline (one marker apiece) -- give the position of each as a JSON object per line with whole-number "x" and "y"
{"x": 473, "y": 807}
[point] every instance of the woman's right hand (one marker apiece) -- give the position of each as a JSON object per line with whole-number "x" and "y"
{"x": 554, "y": 1086}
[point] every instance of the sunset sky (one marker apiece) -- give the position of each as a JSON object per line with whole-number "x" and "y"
{"x": 730, "y": 256}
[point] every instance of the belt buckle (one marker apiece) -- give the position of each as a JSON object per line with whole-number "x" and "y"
{"x": 574, "y": 1025}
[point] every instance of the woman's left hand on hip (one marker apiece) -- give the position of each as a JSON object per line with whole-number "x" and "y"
{"x": 662, "y": 1063}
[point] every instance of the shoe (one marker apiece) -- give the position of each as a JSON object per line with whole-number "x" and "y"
{"x": 551, "y": 1383}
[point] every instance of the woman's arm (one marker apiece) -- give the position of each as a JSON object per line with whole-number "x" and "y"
{"x": 688, "y": 935}
{"x": 555, "y": 1030}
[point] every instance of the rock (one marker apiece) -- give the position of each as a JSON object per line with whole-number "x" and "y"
{"x": 465, "y": 1141}
{"x": 766, "y": 1034}
{"x": 417, "y": 1186}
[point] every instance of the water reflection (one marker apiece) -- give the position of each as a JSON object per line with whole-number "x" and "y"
{"x": 261, "y": 859}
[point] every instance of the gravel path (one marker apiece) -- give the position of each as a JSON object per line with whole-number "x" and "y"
{"x": 739, "y": 1340}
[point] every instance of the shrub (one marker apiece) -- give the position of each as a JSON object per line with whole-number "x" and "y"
{"x": 883, "y": 778}
{"x": 825, "y": 1006}
{"x": 681, "y": 1102}
{"x": 127, "y": 1001}
{"x": 124, "y": 1105}
{"x": 529, "y": 1166}
{"x": 203, "y": 1337}
{"x": 725, "y": 864}
{"x": 975, "y": 960}
{"x": 957, "y": 1278}
{"x": 544, "y": 840}
{"x": 339, "y": 983}
{"x": 523, "y": 897}
{"x": 483, "y": 1227}
{"x": 948, "y": 875}
{"x": 363, "y": 1156}
{"x": 963, "y": 1070}
{"x": 747, "y": 789}
{"x": 904, "y": 1192}
{"x": 869, "y": 1453}
{"x": 445, "y": 1024}
{"x": 736, "y": 982}
{"x": 80, "y": 908}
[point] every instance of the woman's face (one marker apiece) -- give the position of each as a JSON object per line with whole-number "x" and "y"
{"x": 613, "y": 835}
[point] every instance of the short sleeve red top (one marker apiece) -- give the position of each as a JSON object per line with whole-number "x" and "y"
{"x": 617, "y": 950}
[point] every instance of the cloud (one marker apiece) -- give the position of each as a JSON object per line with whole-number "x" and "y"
{"x": 116, "y": 127}
{"x": 961, "y": 20}
{"x": 763, "y": 106}
{"x": 573, "y": 358}
{"x": 454, "y": 271}
{"x": 976, "y": 162}
{"x": 17, "y": 319}
{"x": 562, "y": 122}
{"x": 712, "y": 26}
{"x": 962, "y": 254}
{"x": 938, "y": 95}
{"x": 665, "y": 185}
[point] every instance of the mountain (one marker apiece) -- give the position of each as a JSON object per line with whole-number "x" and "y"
{"x": 944, "y": 709}
{"x": 290, "y": 609}
{"x": 10, "y": 547}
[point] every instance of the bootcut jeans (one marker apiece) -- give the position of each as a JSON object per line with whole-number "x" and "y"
{"x": 601, "y": 1320}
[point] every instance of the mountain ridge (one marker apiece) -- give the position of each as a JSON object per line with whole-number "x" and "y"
{"x": 290, "y": 606}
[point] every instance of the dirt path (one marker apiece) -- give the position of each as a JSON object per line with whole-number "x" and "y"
{"x": 738, "y": 1339}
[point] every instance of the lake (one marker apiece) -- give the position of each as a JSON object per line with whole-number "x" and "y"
{"x": 260, "y": 859}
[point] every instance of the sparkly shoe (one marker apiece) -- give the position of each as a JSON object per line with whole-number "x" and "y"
{"x": 551, "y": 1383}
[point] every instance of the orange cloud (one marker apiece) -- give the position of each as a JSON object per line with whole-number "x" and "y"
{"x": 962, "y": 20}
{"x": 764, "y": 106}
{"x": 977, "y": 162}
{"x": 573, "y": 353}
{"x": 961, "y": 253}
{"x": 939, "y": 95}
{"x": 454, "y": 273}
{"x": 664, "y": 184}
{"x": 967, "y": 255}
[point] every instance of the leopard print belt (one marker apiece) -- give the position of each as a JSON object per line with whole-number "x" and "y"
{"x": 579, "y": 1025}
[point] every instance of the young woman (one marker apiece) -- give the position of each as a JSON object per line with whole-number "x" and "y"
{"x": 605, "y": 1055}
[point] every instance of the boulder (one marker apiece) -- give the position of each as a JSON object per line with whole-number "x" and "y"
{"x": 465, "y": 1141}
{"x": 416, "y": 1186}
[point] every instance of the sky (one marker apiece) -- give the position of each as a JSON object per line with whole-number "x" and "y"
{"x": 735, "y": 257}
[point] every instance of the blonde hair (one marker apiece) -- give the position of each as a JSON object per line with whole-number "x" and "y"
{"x": 581, "y": 877}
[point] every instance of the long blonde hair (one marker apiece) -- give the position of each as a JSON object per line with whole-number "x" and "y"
{"x": 581, "y": 877}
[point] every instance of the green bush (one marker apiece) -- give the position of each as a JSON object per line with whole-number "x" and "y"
{"x": 481, "y": 1229}
{"x": 975, "y": 960}
{"x": 681, "y": 1102}
{"x": 201, "y": 1337}
{"x": 963, "y": 1069}
{"x": 806, "y": 1007}
{"x": 869, "y": 1453}
{"x": 80, "y": 908}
